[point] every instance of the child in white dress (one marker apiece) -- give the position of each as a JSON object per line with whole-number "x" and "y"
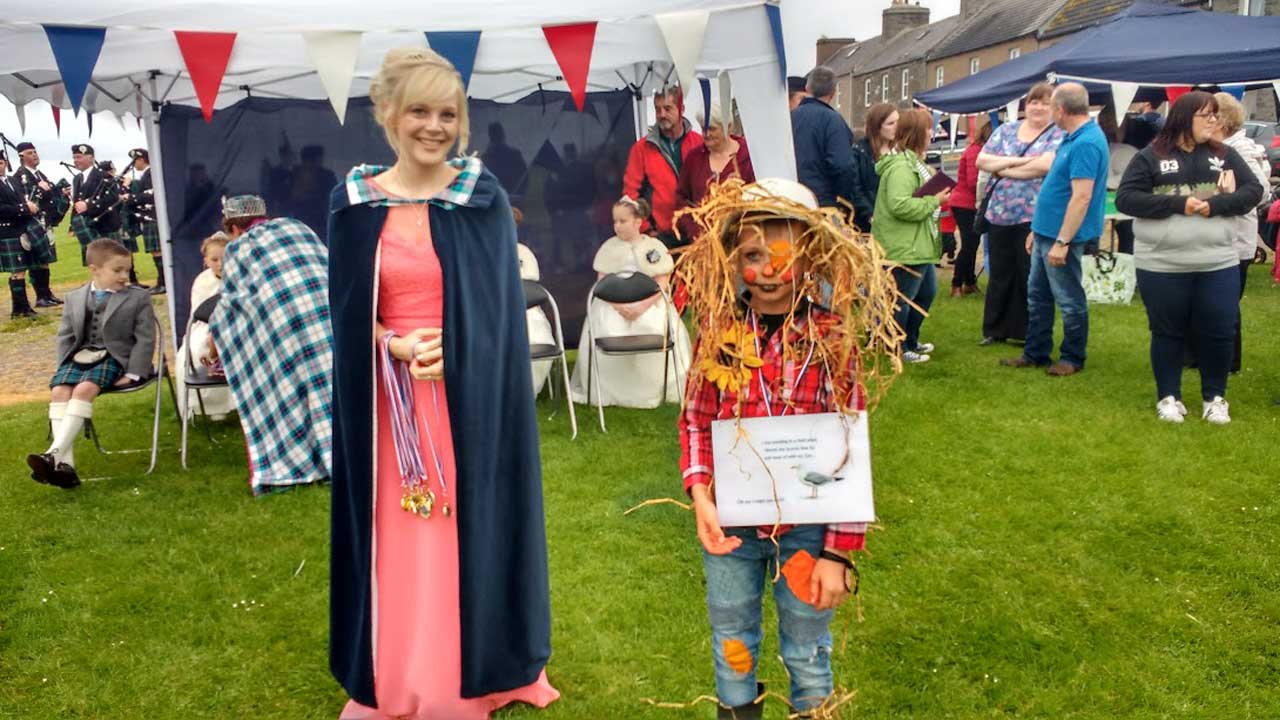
{"x": 217, "y": 401}
{"x": 632, "y": 380}
{"x": 540, "y": 332}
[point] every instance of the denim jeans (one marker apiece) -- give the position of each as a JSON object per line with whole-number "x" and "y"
{"x": 1049, "y": 285}
{"x": 1202, "y": 306}
{"x": 919, "y": 284}
{"x": 735, "y": 588}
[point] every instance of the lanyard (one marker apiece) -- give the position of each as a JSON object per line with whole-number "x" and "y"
{"x": 764, "y": 390}
{"x": 403, "y": 414}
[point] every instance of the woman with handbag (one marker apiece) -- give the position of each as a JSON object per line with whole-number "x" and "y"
{"x": 1018, "y": 156}
{"x": 439, "y": 594}
{"x": 964, "y": 203}
{"x": 1185, "y": 192}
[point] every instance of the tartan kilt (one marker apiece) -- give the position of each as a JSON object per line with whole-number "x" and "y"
{"x": 104, "y": 374}
{"x": 43, "y": 249}
{"x": 12, "y": 257}
{"x": 85, "y": 233}
{"x": 150, "y": 236}
{"x": 129, "y": 242}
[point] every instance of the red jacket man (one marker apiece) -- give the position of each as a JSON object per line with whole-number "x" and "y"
{"x": 653, "y": 166}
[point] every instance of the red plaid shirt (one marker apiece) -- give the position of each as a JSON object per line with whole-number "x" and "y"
{"x": 812, "y": 393}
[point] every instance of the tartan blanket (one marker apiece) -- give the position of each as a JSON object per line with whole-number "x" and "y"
{"x": 273, "y": 335}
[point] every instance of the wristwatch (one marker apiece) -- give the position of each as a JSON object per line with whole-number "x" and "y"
{"x": 1062, "y": 241}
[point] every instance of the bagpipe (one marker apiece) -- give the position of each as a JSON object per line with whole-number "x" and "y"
{"x": 106, "y": 196}
{"x": 53, "y": 203}
{"x": 141, "y": 205}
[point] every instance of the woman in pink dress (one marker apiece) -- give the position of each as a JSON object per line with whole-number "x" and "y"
{"x": 439, "y": 595}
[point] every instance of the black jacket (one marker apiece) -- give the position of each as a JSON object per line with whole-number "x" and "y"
{"x": 88, "y": 187}
{"x": 14, "y": 213}
{"x": 824, "y": 152}
{"x": 868, "y": 183}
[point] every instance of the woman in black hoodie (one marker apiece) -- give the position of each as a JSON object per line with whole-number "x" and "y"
{"x": 881, "y": 129}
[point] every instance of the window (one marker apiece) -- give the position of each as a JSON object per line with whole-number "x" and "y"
{"x": 974, "y": 66}
{"x": 1015, "y": 53}
{"x": 884, "y": 88}
{"x": 866, "y": 93}
{"x": 906, "y": 83}
{"x": 937, "y": 77}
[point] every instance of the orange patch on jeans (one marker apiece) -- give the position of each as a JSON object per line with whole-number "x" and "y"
{"x": 737, "y": 656}
{"x": 799, "y": 571}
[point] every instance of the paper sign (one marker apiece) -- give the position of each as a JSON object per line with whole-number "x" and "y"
{"x": 793, "y": 470}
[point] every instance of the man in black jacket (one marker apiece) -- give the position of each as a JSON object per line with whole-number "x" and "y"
{"x": 96, "y": 211}
{"x": 53, "y": 206}
{"x": 824, "y": 143}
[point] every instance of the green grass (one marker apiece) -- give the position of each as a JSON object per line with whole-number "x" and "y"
{"x": 1048, "y": 550}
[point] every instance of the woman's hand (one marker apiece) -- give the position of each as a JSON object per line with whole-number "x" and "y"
{"x": 943, "y": 196}
{"x": 424, "y": 351}
{"x": 708, "y": 524}
{"x": 827, "y": 587}
{"x": 1195, "y": 205}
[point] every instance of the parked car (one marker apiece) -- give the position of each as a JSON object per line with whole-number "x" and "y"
{"x": 1266, "y": 134}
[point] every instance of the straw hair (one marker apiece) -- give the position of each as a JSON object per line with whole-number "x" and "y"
{"x": 834, "y": 267}
{"x": 416, "y": 75}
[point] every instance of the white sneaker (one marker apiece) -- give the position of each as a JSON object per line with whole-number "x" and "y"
{"x": 924, "y": 348}
{"x": 1171, "y": 410}
{"x": 913, "y": 356}
{"x": 1215, "y": 411}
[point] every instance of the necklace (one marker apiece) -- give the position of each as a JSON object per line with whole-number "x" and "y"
{"x": 786, "y": 387}
{"x": 421, "y": 203}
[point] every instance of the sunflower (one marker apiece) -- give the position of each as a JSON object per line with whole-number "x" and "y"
{"x": 730, "y": 368}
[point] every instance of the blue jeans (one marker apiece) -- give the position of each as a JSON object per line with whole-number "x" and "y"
{"x": 735, "y": 588}
{"x": 920, "y": 288}
{"x": 1047, "y": 285}
{"x": 1201, "y": 306}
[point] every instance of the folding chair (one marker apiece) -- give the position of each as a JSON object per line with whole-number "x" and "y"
{"x": 159, "y": 370}
{"x": 629, "y": 288}
{"x": 537, "y": 296}
{"x": 197, "y": 379}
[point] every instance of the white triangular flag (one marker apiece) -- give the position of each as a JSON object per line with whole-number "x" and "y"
{"x": 955, "y": 121}
{"x": 1275, "y": 85}
{"x": 334, "y": 55}
{"x": 726, "y": 100}
{"x": 1011, "y": 111}
{"x": 683, "y": 32}
{"x": 1123, "y": 93}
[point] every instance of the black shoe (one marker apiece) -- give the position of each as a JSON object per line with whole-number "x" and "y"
{"x": 64, "y": 476}
{"x": 750, "y": 711}
{"x": 46, "y": 303}
{"x": 139, "y": 286}
{"x": 41, "y": 467}
{"x": 1021, "y": 362}
{"x": 990, "y": 341}
{"x": 23, "y": 313}
{"x": 157, "y": 290}
{"x": 54, "y": 299}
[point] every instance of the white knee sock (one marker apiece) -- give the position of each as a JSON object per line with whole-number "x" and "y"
{"x": 56, "y": 411}
{"x": 63, "y": 448}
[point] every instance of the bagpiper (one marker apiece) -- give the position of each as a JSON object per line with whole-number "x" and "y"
{"x": 53, "y": 205}
{"x": 94, "y": 200}
{"x": 16, "y": 215}
{"x": 141, "y": 211}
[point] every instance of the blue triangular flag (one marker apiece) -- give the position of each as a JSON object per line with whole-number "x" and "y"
{"x": 775, "y": 24}
{"x": 705, "y": 84}
{"x": 994, "y": 118}
{"x": 76, "y": 51}
{"x": 1235, "y": 91}
{"x": 458, "y": 48}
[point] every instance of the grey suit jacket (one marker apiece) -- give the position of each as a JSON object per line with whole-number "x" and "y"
{"x": 128, "y": 327}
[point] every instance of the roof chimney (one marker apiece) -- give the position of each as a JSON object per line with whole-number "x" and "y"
{"x": 902, "y": 14}
{"x": 969, "y": 8}
{"x": 828, "y": 47}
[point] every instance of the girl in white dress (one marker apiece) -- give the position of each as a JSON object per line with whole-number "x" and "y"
{"x": 540, "y": 332}
{"x": 217, "y": 401}
{"x": 632, "y": 380}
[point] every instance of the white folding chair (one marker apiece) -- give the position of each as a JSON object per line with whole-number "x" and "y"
{"x": 197, "y": 379}
{"x": 537, "y": 296}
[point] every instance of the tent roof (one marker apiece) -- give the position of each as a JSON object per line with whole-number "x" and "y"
{"x": 1146, "y": 44}
{"x": 270, "y": 57}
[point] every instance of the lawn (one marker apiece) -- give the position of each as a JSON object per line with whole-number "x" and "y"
{"x": 1047, "y": 550}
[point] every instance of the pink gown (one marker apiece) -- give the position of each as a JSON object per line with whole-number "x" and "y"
{"x": 418, "y": 651}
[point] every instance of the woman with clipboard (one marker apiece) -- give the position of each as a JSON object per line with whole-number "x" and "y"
{"x": 906, "y": 226}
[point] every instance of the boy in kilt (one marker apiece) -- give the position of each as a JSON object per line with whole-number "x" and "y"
{"x": 53, "y": 205}
{"x": 106, "y": 339}
{"x": 16, "y": 215}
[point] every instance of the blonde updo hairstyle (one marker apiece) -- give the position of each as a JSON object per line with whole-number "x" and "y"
{"x": 411, "y": 75}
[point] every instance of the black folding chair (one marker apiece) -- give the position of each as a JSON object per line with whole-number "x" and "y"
{"x": 537, "y": 296}
{"x": 629, "y": 288}
{"x": 159, "y": 370}
{"x": 197, "y": 378}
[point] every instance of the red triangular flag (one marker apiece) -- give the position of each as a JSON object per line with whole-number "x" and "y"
{"x": 1173, "y": 92}
{"x": 206, "y": 55}
{"x": 572, "y": 45}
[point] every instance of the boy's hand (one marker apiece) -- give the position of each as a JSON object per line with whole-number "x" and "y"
{"x": 709, "y": 531}
{"x": 827, "y": 587}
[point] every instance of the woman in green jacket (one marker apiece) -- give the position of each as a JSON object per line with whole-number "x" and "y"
{"x": 907, "y": 227}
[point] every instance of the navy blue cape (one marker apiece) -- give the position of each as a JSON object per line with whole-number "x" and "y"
{"x": 505, "y": 606}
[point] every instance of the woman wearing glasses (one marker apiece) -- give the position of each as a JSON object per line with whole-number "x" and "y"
{"x": 1183, "y": 191}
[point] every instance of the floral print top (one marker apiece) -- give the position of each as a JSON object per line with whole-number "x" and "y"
{"x": 1014, "y": 201}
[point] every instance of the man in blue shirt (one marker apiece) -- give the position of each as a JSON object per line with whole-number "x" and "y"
{"x": 1069, "y": 213}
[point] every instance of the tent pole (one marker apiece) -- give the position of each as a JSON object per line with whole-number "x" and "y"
{"x": 159, "y": 198}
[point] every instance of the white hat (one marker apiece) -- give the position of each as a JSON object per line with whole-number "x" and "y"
{"x": 781, "y": 198}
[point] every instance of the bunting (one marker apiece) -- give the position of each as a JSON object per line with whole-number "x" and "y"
{"x": 58, "y": 96}
{"x": 334, "y": 54}
{"x": 206, "y": 55}
{"x": 1173, "y": 92}
{"x": 76, "y": 50}
{"x": 775, "y": 26}
{"x": 684, "y": 33}
{"x": 1122, "y": 94}
{"x": 572, "y": 46}
{"x": 459, "y": 48}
